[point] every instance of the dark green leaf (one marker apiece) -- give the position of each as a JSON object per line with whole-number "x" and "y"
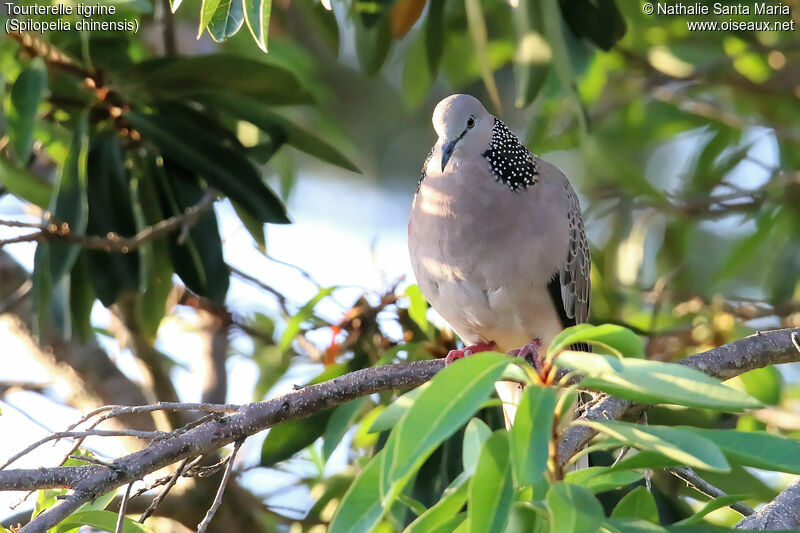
{"x": 70, "y": 206}
{"x": 226, "y": 20}
{"x": 81, "y": 298}
{"x": 476, "y": 23}
{"x": 110, "y": 212}
{"x": 531, "y": 433}
{"x": 524, "y": 518}
{"x": 491, "y": 491}
{"x": 223, "y": 167}
{"x": 638, "y": 503}
{"x": 207, "y": 10}
{"x": 198, "y": 258}
{"x": 26, "y": 94}
{"x": 181, "y": 77}
{"x": 654, "y": 382}
{"x": 573, "y": 509}
{"x": 257, "y": 14}
{"x": 634, "y": 525}
{"x": 598, "y": 20}
{"x": 288, "y": 438}
{"x": 276, "y": 126}
{"x": 155, "y": 265}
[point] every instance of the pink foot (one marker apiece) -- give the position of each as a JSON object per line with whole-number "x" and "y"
{"x": 530, "y": 352}
{"x": 469, "y": 350}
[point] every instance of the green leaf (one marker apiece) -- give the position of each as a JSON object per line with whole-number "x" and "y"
{"x": 102, "y": 520}
{"x": 531, "y": 433}
{"x": 226, "y": 20}
{"x": 573, "y": 509}
{"x": 757, "y": 449}
{"x": 288, "y": 438}
{"x": 69, "y": 205}
{"x": 638, "y": 503}
{"x": 256, "y": 13}
{"x": 445, "y": 510}
{"x": 477, "y": 29}
{"x": 45, "y": 499}
{"x": 338, "y": 424}
{"x": 607, "y": 336}
{"x": 597, "y": 20}
{"x": 372, "y": 44}
{"x": 634, "y": 525}
{"x": 679, "y": 445}
{"x": 180, "y": 77}
{"x": 81, "y": 299}
{"x": 24, "y": 184}
{"x": 418, "y": 309}
{"x": 207, "y": 11}
{"x": 223, "y": 167}
{"x": 600, "y": 479}
{"x": 490, "y": 491}
{"x": 395, "y": 411}
{"x": 155, "y": 266}
{"x": 534, "y": 55}
{"x": 525, "y": 518}
{"x": 475, "y": 435}
{"x": 276, "y": 126}
{"x": 198, "y": 258}
{"x": 360, "y": 509}
{"x": 763, "y": 384}
{"x": 417, "y": 76}
{"x": 654, "y": 382}
{"x": 305, "y": 313}
{"x": 454, "y": 395}
{"x": 711, "y": 506}
{"x": 26, "y": 95}
{"x": 110, "y": 211}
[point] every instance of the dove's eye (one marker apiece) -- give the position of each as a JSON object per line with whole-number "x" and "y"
{"x": 470, "y": 122}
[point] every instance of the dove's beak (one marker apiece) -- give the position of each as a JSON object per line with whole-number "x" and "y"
{"x": 447, "y": 151}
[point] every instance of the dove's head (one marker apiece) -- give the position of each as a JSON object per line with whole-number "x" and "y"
{"x": 463, "y": 126}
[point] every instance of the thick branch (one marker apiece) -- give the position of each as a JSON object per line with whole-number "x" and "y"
{"x": 781, "y": 513}
{"x": 90, "y": 481}
{"x": 724, "y": 362}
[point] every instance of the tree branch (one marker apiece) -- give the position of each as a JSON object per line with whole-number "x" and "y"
{"x": 88, "y": 482}
{"x": 724, "y": 362}
{"x": 781, "y": 513}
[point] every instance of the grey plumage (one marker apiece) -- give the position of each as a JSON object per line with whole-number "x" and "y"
{"x": 496, "y": 237}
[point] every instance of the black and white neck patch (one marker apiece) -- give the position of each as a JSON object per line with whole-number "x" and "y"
{"x": 511, "y": 163}
{"x": 424, "y": 172}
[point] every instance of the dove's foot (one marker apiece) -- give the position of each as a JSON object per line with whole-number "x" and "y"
{"x": 530, "y": 352}
{"x": 469, "y": 350}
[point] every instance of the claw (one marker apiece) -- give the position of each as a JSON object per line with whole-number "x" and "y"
{"x": 530, "y": 352}
{"x": 469, "y": 350}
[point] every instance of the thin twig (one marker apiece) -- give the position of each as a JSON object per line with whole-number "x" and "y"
{"x": 55, "y": 231}
{"x": 696, "y": 482}
{"x": 163, "y": 494}
{"x": 122, "y": 508}
{"x": 203, "y": 526}
{"x": 282, "y": 301}
{"x": 82, "y": 435}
